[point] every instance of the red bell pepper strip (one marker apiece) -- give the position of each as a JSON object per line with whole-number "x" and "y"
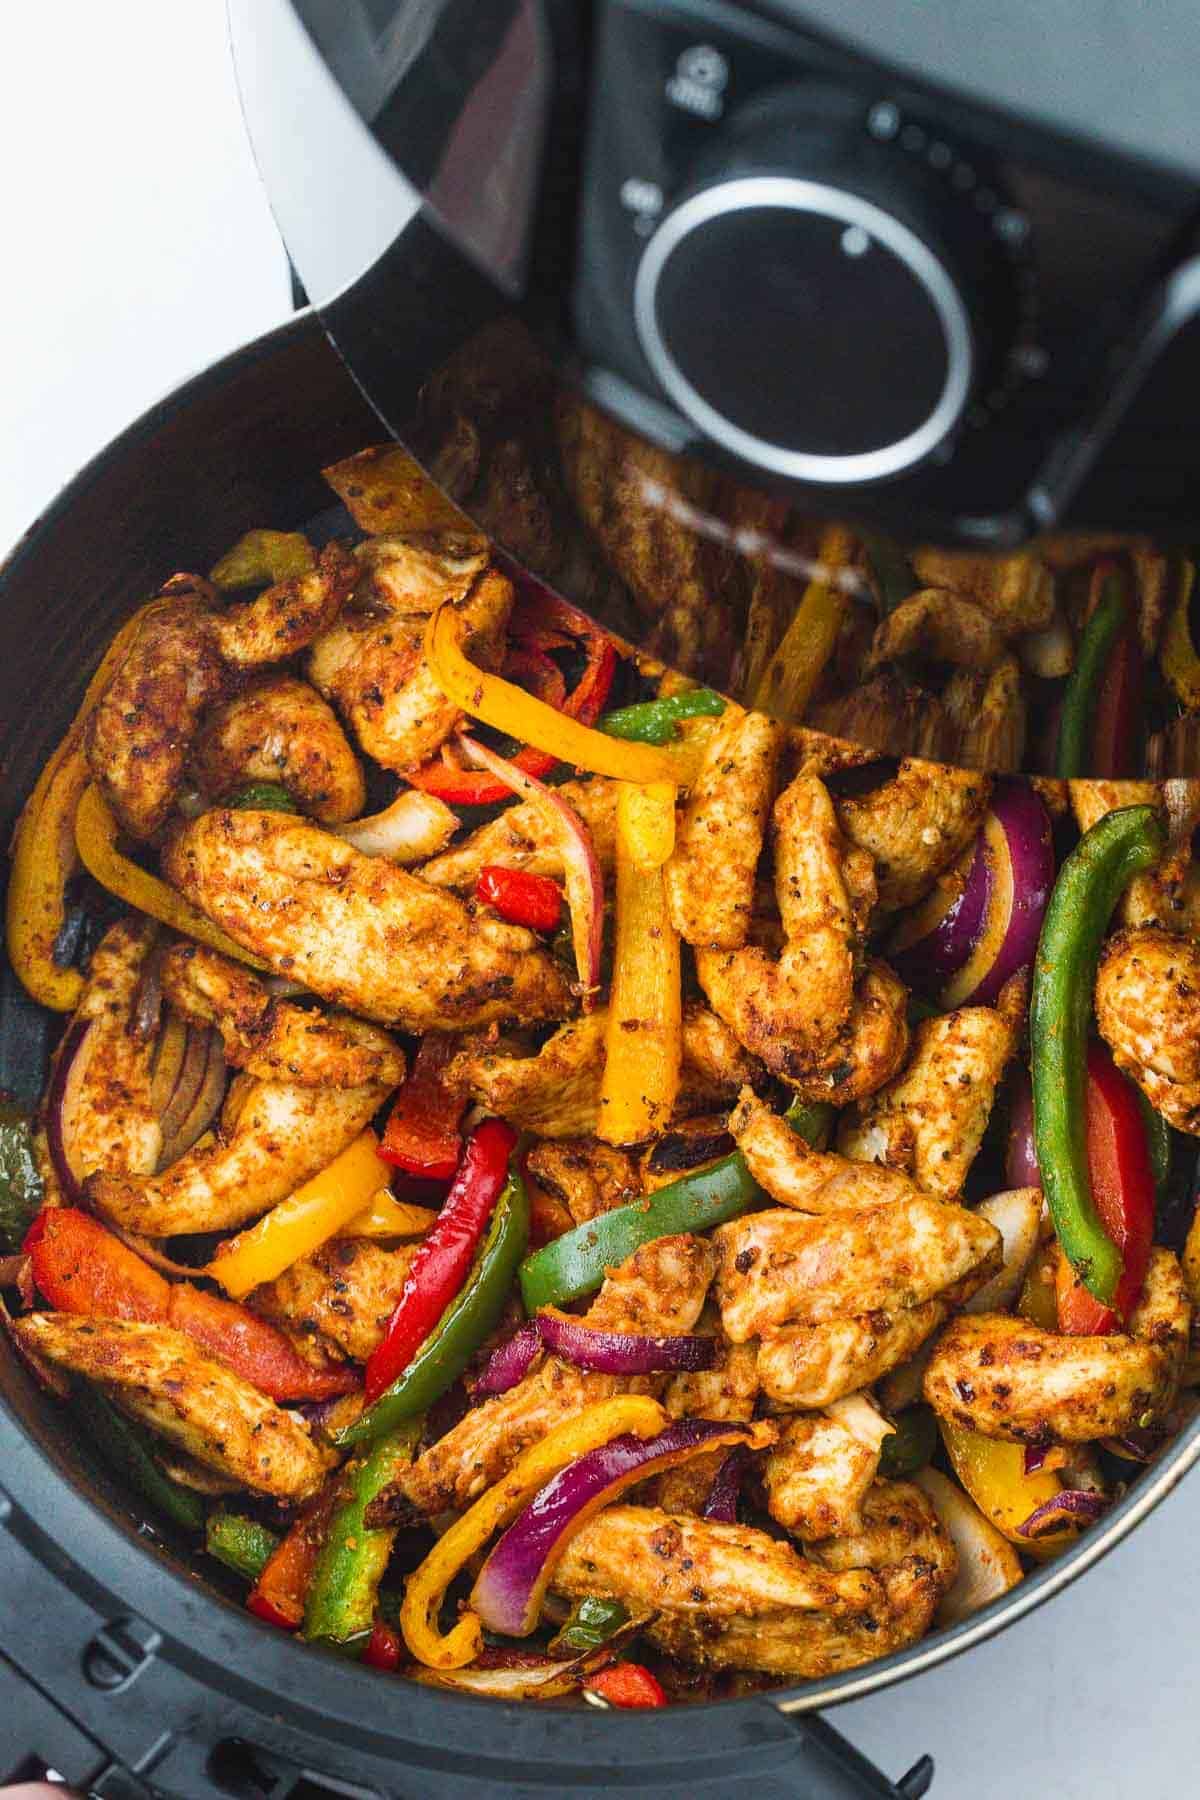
{"x": 521, "y": 898}
{"x": 1122, "y": 1182}
{"x": 384, "y": 1649}
{"x": 279, "y": 1594}
{"x": 421, "y": 1136}
{"x": 627, "y": 1684}
{"x": 82, "y": 1268}
{"x": 531, "y": 666}
{"x": 1117, "y": 732}
{"x": 444, "y": 1259}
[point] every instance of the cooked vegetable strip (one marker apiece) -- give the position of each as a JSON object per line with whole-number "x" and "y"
{"x": 386, "y": 1217}
{"x": 426, "y": 1588}
{"x": 343, "y": 1593}
{"x": 421, "y": 1135}
{"x": 1096, "y": 648}
{"x": 301, "y": 1223}
{"x": 96, "y": 840}
{"x": 1180, "y": 663}
{"x": 643, "y": 1037}
{"x": 262, "y": 557}
{"x": 242, "y": 1544}
{"x": 521, "y": 898}
{"x": 1121, "y": 1180}
{"x": 281, "y": 1587}
{"x": 789, "y": 678}
{"x": 657, "y": 721}
{"x": 1119, "y": 846}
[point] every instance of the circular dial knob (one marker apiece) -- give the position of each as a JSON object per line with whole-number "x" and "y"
{"x": 811, "y": 318}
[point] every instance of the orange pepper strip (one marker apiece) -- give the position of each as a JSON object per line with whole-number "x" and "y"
{"x": 43, "y": 847}
{"x": 96, "y": 840}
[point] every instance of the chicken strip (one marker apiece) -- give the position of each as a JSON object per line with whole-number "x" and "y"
{"x": 412, "y": 573}
{"x": 789, "y": 1012}
{"x": 898, "y": 1521}
{"x": 868, "y": 1049}
{"x": 930, "y": 1120}
{"x": 1091, "y": 800}
{"x": 728, "y": 1596}
{"x": 273, "y": 1136}
{"x": 138, "y": 736}
{"x": 1148, "y": 1012}
{"x": 587, "y": 1176}
{"x": 521, "y": 839}
{"x": 915, "y": 825}
{"x": 287, "y": 617}
{"x": 939, "y": 627}
{"x": 659, "y": 1291}
{"x": 342, "y": 1295}
{"x": 816, "y": 1476}
{"x": 275, "y": 1039}
{"x": 812, "y": 1365}
{"x": 159, "y": 1375}
{"x": 796, "y": 1175}
{"x": 1017, "y": 591}
{"x": 357, "y": 929}
{"x": 719, "y": 838}
{"x": 279, "y": 729}
{"x": 556, "y": 1093}
{"x": 374, "y": 669}
{"x": 778, "y": 1268}
{"x": 1010, "y": 1379}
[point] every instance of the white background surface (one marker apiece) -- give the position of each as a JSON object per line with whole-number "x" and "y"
{"x": 138, "y": 248}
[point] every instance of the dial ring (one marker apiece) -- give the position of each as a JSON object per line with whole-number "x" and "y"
{"x": 799, "y": 195}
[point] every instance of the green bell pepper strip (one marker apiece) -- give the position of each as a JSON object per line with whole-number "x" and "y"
{"x": 910, "y": 1444}
{"x": 811, "y": 1120}
{"x": 1096, "y": 645}
{"x": 242, "y": 1544}
{"x": 20, "y": 1183}
{"x": 892, "y": 571}
{"x": 1119, "y": 846}
{"x": 1158, "y": 1142}
{"x": 590, "y": 1625}
{"x": 263, "y": 796}
{"x": 470, "y": 1317}
{"x": 655, "y": 721}
{"x": 344, "y": 1592}
{"x": 127, "y": 1449}
{"x": 576, "y": 1263}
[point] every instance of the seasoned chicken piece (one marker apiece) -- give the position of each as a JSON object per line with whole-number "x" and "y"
{"x": 930, "y": 1120}
{"x": 1010, "y": 1379}
{"x": 659, "y": 1290}
{"x": 587, "y": 1176}
{"x": 778, "y": 1268}
{"x": 159, "y": 1375}
{"x": 728, "y": 1596}
{"x": 273, "y": 1136}
{"x": 374, "y": 669}
{"x": 557, "y": 1092}
{"x": 1091, "y": 800}
{"x": 727, "y": 1393}
{"x": 816, "y": 1476}
{"x": 888, "y": 715}
{"x": 279, "y": 729}
{"x": 137, "y": 738}
{"x": 789, "y": 1011}
{"x": 915, "y": 825}
{"x": 868, "y": 1049}
{"x": 812, "y": 1365}
{"x": 1016, "y": 591}
{"x": 112, "y": 1123}
{"x": 1148, "y": 1012}
{"x": 520, "y": 838}
{"x": 898, "y": 1521}
{"x": 992, "y": 717}
{"x": 343, "y": 1294}
{"x": 357, "y": 929}
{"x": 287, "y": 617}
{"x": 414, "y": 573}
{"x": 941, "y": 628}
{"x": 812, "y": 1181}
{"x": 275, "y": 1039}
{"x": 719, "y": 838}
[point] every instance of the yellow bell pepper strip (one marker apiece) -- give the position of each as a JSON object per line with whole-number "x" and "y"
{"x": 43, "y": 847}
{"x": 786, "y": 685}
{"x": 993, "y": 1473}
{"x": 509, "y": 708}
{"x": 1180, "y": 663}
{"x": 423, "y": 1596}
{"x": 262, "y": 557}
{"x": 386, "y": 1217}
{"x": 317, "y": 1211}
{"x": 96, "y": 839}
{"x": 643, "y": 1042}
{"x": 386, "y": 489}
{"x": 646, "y": 817}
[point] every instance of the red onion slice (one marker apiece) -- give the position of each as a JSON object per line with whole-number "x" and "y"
{"x": 511, "y": 1362}
{"x": 1020, "y": 847}
{"x": 621, "y": 1352}
{"x": 1035, "y": 1456}
{"x": 1074, "y": 1506}
{"x": 584, "y": 882}
{"x": 1021, "y": 1163}
{"x": 931, "y": 945}
{"x": 508, "y": 1593}
{"x": 60, "y": 1100}
{"x": 721, "y": 1504}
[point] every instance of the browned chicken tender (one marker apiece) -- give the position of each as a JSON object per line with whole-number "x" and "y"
{"x": 897, "y": 1520}
{"x": 163, "y": 1379}
{"x": 357, "y": 929}
{"x": 812, "y": 1181}
{"x": 1017, "y": 591}
{"x": 275, "y": 1039}
{"x": 915, "y": 825}
{"x": 287, "y": 617}
{"x": 1010, "y": 1379}
{"x": 778, "y": 1268}
{"x": 588, "y": 1176}
{"x": 868, "y": 1049}
{"x": 342, "y": 1295}
{"x": 816, "y": 1476}
{"x": 710, "y": 874}
{"x": 279, "y": 729}
{"x": 521, "y": 839}
{"x": 813, "y": 1365}
{"x": 1148, "y": 1011}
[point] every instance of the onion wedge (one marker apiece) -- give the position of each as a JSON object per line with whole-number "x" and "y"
{"x": 413, "y": 828}
{"x": 987, "y": 1563}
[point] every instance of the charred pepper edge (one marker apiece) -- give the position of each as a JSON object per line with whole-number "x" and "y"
{"x": 1119, "y": 846}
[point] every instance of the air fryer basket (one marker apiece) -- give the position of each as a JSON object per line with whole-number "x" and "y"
{"x": 124, "y": 1664}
